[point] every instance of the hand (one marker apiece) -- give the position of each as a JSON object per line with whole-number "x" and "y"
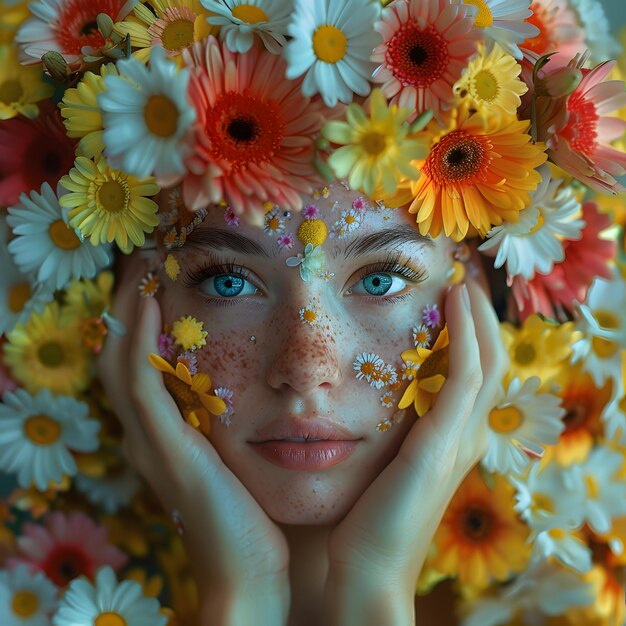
{"x": 239, "y": 555}
{"x": 378, "y": 549}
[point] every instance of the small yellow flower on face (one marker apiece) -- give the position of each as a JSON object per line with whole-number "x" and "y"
{"x": 308, "y": 315}
{"x": 188, "y": 333}
{"x": 172, "y": 267}
{"x": 313, "y": 232}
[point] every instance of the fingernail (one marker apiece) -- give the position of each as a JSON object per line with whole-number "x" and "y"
{"x": 465, "y": 296}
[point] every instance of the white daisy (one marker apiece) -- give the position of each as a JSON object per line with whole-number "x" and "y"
{"x": 273, "y": 224}
{"x": 421, "y": 336}
{"x": 564, "y": 545}
{"x": 146, "y": 117}
{"x": 523, "y": 419}
{"x": 535, "y": 242}
{"x": 309, "y": 315}
{"x": 112, "y": 492}
{"x": 331, "y": 44}
{"x": 46, "y": 246}
{"x": 366, "y": 364}
{"x": 122, "y": 603}
{"x": 240, "y": 20}
{"x": 503, "y": 21}
{"x": 227, "y": 395}
{"x": 37, "y": 434}
{"x": 26, "y": 599}
{"x": 387, "y": 400}
{"x": 348, "y": 223}
{"x": 384, "y": 374}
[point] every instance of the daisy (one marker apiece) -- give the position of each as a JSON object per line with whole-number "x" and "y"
{"x": 431, "y": 316}
{"x": 149, "y": 285}
{"x": 535, "y": 242}
{"x": 108, "y": 205}
{"x": 348, "y": 222}
{"x": 309, "y": 315}
{"x": 66, "y": 26}
{"x": 331, "y": 47}
{"x": 38, "y": 433}
{"x": 191, "y": 393}
{"x": 190, "y": 360}
{"x": 384, "y": 374}
{"x": 33, "y": 152}
{"x": 147, "y": 117}
{"x": 26, "y": 599}
{"x": 240, "y": 21}
{"x": 564, "y": 545}
{"x": 273, "y": 224}
{"x": 189, "y": 333}
{"x": 255, "y": 137}
{"x": 425, "y": 47}
{"x": 365, "y": 365}
{"x": 521, "y": 420}
{"x": 47, "y": 352}
{"x": 476, "y": 174}
{"x": 111, "y": 492}
{"x": 421, "y": 336}
{"x": 108, "y": 602}
{"x": 387, "y": 400}
{"x": 226, "y": 395}
{"x": 68, "y": 545}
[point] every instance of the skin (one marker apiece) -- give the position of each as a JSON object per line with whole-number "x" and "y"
{"x": 306, "y": 547}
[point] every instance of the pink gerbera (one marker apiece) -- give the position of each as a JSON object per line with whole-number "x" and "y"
{"x": 68, "y": 546}
{"x": 426, "y": 46}
{"x": 66, "y": 26}
{"x": 255, "y": 131}
{"x": 33, "y": 152}
{"x": 577, "y": 129}
{"x": 554, "y": 294}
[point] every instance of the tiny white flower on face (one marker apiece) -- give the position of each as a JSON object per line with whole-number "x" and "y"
{"x": 387, "y": 400}
{"x": 366, "y": 364}
{"x": 26, "y": 599}
{"x": 384, "y": 374}
{"x": 309, "y": 315}
{"x": 348, "y": 223}
{"x": 421, "y": 336}
{"x": 273, "y": 223}
{"x": 227, "y": 395}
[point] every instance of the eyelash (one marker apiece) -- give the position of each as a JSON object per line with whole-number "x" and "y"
{"x": 395, "y": 263}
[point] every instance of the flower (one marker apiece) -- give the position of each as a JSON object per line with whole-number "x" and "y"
{"x": 190, "y": 360}
{"x": 112, "y": 492}
{"x": 147, "y": 117}
{"x": 33, "y": 152}
{"x": 421, "y": 336}
{"x": 226, "y": 395}
{"x": 332, "y": 47}
{"x": 12, "y": 14}
{"x": 66, "y": 26}
{"x": 311, "y": 212}
{"x": 47, "y": 352}
{"x": 172, "y": 267}
{"x": 166, "y": 345}
{"x": 239, "y": 21}
{"x": 273, "y": 225}
{"x": 480, "y": 538}
{"x": 597, "y": 31}
{"x": 26, "y": 599}
{"x": 431, "y": 315}
{"x": 429, "y": 377}
{"x": 535, "y": 242}
{"x": 231, "y": 218}
{"x": 521, "y": 420}
{"x": 107, "y": 204}
{"x": 20, "y": 87}
{"x": 425, "y": 47}
{"x": 68, "y": 545}
{"x": 38, "y": 433}
{"x": 286, "y": 241}
{"x": 89, "y": 298}
{"x": 308, "y": 315}
{"x": 349, "y": 221}
{"x": 149, "y": 285}
{"x": 476, "y": 174}
{"x": 191, "y": 393}
{"x": 365, "y": 365}
{"x": 188, "y": 332}
{"x": 44, "y": 243}
{"x": 384, "y": 374}
{"x": 255, "y": 136}
{"x": 376, "y": 149}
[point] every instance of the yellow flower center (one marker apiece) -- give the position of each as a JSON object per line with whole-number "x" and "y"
{"x": 186, "y": 399}
{"x": 505, "y": 420}
{"x": 113, "y": 196}
{"x": 538, "y": 225}
{"x": 367, "y": 368}
{"x": 373, "y": 143}
{"x": 161, "y": 116}
{"x": 557, "y": 533}
{"x": 18, "y": 297}
{"x": 421, "y": 337}
{"x": 477, "y": 523}
{"x": 109, "y": 619}
{"x": 313, "y": 231}
{"x": 51, "y": 354}
{"x": 250, "y": 14}
{"x": 10, "y": 91}
{"x": 592, "y": 487}
{"x": 525, "y": 353}
{"x": 25, "y": 604}
{"x": 178, "y": 35}
{"x": 486, "y": 85}
{"x": 542, "y": 502}
{"x": 484, "y": 17}
{"x": 273, "y": 223}
{"x": 42, "y": 430}
{"x": 309, "y": 315}
{"x": 329, "y": 44}
{"x": 63, "y": 236}
{"x": 605, "y": 348}
{"x": 350, "y": 219}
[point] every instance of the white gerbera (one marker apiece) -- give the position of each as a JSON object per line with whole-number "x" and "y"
{"x": 45, "y": 245}
{"x": 240, "y": 20}
{"x": 503, "y": 21}
{"x": 26, "y": 599}
{"x": 523, "y": 419}
{"x": 146, "y": 117}
{"x": 332, "y": 43}
{"x": 37, "y": 434}
{"x": 535, "y": 242}
{"x": 122, "y": 603}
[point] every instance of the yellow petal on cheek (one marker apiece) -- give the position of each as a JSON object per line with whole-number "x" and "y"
{"x": 408, "y": 395}
{"x": 433, "y": 384}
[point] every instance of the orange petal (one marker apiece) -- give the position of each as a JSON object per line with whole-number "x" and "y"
{"x": 422, "y": 402}
{"x": 433, "y": 384}
{"x": 183, "y": 373}
{"x": 213, "y": 404}
{"x": 201, "y": 383}
{"x": 443, "y": 339}
{"x": 409, "y": 394}
{"x": 192, "y": 419}
{"x": 159, "y": 363}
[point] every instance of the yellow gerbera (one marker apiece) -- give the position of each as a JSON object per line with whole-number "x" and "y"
{"x": 191, "y": 393}
{"x": 20, "y": 86}
{"x": 429, "y": 376}
{"x": 481, "y": 538}
{"x": 46, "y": 352}
{"x": 88, "y": 298}
{"x": 108, "y": 204}
{"x": 377, "y": 149}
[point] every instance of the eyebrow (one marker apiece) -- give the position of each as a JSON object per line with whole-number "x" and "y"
{"x": 202, "y": 238}
{"x": 383, "y": 239}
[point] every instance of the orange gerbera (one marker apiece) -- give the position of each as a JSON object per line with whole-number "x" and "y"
{"x": 480, "y": 537}
{"x": 191, "y": 393}
{"x": 476, "y": 174}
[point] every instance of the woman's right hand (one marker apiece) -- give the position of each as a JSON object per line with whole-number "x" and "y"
{"x": 239, "y": 556}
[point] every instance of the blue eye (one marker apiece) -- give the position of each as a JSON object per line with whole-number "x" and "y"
{"x": 377, "y": 284}
{"x": 228, "y": 286}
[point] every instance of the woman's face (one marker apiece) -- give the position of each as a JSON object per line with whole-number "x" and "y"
{"x": 366, "y": 295}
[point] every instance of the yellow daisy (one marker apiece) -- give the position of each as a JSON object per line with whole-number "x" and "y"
{"x": 107, "y": 204}
{"x": 12, "y": 14}
{"x": 188, "y": 333}
{"x": 47, "y": 352}
{"x": 20, "y": 86}
{"x": 88, "y": 298}
{"x": 429, "y": 377}
{"x": 191, "y": 393}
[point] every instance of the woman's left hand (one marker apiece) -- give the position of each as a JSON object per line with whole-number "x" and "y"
{"x": 377, "y": 551}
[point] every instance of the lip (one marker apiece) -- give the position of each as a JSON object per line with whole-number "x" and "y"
{"x": 316, "y": 455}
{"x": 293, "y": 427}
